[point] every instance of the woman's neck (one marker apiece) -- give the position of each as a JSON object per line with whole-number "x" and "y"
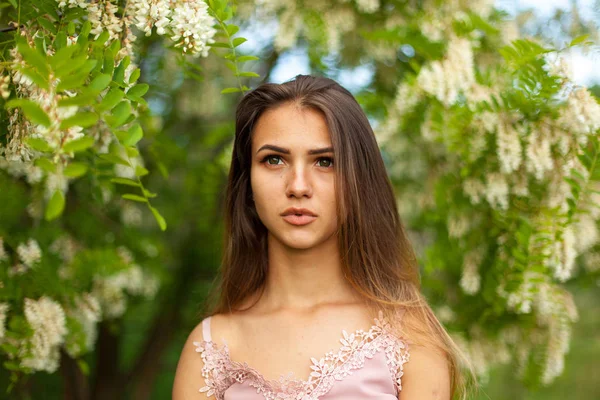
{"x": 305, "y": 279}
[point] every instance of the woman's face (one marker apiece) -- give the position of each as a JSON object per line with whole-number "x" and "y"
{"x": 287, "y": 172}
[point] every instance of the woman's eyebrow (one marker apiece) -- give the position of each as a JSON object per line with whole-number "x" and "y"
{"x": 287, "y": 151}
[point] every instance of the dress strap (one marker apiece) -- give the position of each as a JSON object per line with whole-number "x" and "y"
{"x": 206, "y": 329}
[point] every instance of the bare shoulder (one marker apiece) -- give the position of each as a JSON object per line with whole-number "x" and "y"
{"x": 186, "y": 384}
{"x": 188, "y": 376}
{"x": 427, "y": 374}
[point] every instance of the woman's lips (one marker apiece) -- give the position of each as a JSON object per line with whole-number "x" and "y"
{"x": 299, "y": 219}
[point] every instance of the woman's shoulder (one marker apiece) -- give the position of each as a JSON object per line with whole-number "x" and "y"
{"x": 211, "y": 329}
{"x": 427, "y": 374}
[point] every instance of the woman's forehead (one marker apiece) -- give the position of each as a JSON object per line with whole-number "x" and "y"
{"x": 291, "y": 128}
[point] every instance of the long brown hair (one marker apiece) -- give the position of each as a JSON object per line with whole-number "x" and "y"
{"x": 377, "y": 257}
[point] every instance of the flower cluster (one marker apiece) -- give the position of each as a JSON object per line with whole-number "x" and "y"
{"x": 447, "y": 78}
{"x": 4, "y": 307}
{"x": 187, "y": 23}
{"x": 47, "y": 320}
{"x": 87, "y": 313}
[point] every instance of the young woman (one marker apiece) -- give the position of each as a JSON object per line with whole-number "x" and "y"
{"x": 319, "y": 292}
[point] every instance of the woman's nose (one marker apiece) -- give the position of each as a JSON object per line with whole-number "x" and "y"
{"x": 298, "y": 184}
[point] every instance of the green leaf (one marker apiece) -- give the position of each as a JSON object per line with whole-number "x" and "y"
{"x": 140, "y": 171}
{"x": 138, "y": 90}
{"x": 238, "y": 40}
{"x": 135, "y": 197}
{"x": 62, "y": 56}
{"x": 119, "y": 114}
{"x": 135, "y": 75}
{"x": 82, "y": 119}
{"x": 77, "y": 79}
{"x": 249, "y": 74}
{"x": 159, "y": 218}
{"x": 125, "y": 181}
{"x": 230, "y": 90}
{"x": 83, "y": 99}
{"x": 132, "y": 151}
{"x": 86, "y": 28}
{"x": 34, "y": 58}
{"x": 32, "y": 74}
{"x": 38, "y": 144}
{"x": 45, "y": 164}
{"x": 100, "y": 82}
{"x": 101, "y": 39}
{"x": 83, "y": 367}
{"x": 75, "y": 170}
{"x": 114, "y": 96}
{"x": 80, "y": 144}
{"x": 32, "y": 111}
{"x": 232, "y": 29}
{"x": 578, "y": 40}
{"x": 119, "y": 74}
{"x": 221, "y": 45}
{"x": 135, "y": 134}
{"x": 242, "y": 59}
{"x": 148, "y": 193}
{"x": 115, "y": 159}
{"x": 47, "y": 24}
{"x": 55, "y": 206}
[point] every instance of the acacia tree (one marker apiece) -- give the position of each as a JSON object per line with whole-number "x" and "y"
{"x": 73, "y": 179}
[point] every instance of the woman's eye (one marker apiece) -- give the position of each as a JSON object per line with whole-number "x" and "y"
{"x": 328, "y": 160}
{"x": 267, "y": 158}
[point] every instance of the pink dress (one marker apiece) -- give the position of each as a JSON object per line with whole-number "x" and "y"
{"x": 368, "y": 365}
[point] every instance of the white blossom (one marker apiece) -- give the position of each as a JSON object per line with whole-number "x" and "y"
{"x": 151, "y": 13}
{"x": 4, "y": 307}
{"x": 290, "y": 24}
{"x": 102, "y": 16}
{"x": 496, "y": 191}
{"x": 88, "y": 313}
{"x": 539, "y": 157}
{"x": 72, "y": 3}
{"x": 29, "y": 253}
{"x": 131, "y": 215}
{"x": 447, "y": 78}
{"x": 192, "y": 27}
{"x": 559, "y": 336}
{"x": 65, "y": 246}
{"x": 475, "y": 189}
{"x": 458, "y": 225}
{"x": 470, "y": 280}
{"x": 47, "y": 319}
{"x": 581, "y": 116}
{"x": 509, "y": 146}
{"x": 368, "y": 6}
{"x": 3, "y": 255}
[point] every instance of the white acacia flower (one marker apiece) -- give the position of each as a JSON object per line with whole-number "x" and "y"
{"x": 192, "y": 27}
{"x": 47, "y": 319}
{"x": 559, "y": 336}
{"x": 4, "y": 307}
{"x": 151, "y": 13}
{"x": 447, "y": 78}
{"x": 368, "y": 6}
{"x": 496, "y": 191}
{"x": 539, "y": 157}
{"x": 509, "y": 146}
{"x": 102, "y": 16}
{"x": 3, "y": 255}
{"x": 29, "y": 253}
{"x": 470, "y": 280}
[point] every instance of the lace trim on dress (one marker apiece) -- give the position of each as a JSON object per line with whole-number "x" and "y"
{"x": 220, "y": 371}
